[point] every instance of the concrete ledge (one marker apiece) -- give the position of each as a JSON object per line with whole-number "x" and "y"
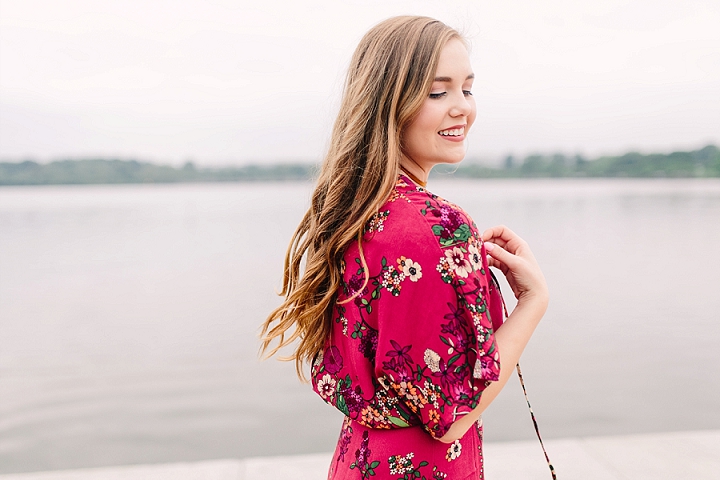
{"x": 663, "y": 456}
{"x": 210, "y": 470}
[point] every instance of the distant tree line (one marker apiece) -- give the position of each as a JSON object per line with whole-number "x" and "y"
{"x": 101, "y": 171}
{"x": 704, "y": 162}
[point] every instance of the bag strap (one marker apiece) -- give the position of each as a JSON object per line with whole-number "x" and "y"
{"x": 522, "y": 384}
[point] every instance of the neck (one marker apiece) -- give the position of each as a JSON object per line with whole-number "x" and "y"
{"x": 416, "y": 174}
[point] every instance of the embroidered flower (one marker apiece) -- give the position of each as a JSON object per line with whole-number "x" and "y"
{"x": 432, "y": 360}
{"x": 326, "y": 386}
{"x": 410, "y": 269}
{"x": 400, "y": 465}
{"x": 460, "y": 265}
{"x": 475, "y": 258}
{"x": 333, "y": 360}
{"x": 431, "y": 392}
{"x": 486, "y": 369}
{"x": 344, "y": 324}
{"x": 355, "y": 283}
{"x": 438, "y": 475}
{"x": 392, "y": 279}
{"x": 353, "y": 399}
{"x": 372, "y": 417}
{"x": 346, "y": 436}
{"x": 454, "y": 451}
{"x": 377, "y": 222}
{"x": 368, "y": 344}
{"x": 319, "y": 359}
{"x": 446, "y": 272}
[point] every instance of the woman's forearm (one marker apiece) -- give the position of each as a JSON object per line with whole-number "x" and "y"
{"x": 511, "y": 339}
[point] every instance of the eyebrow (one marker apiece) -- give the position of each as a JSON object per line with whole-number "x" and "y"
{"x": 448, "y": 79}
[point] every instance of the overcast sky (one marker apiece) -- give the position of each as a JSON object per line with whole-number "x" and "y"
{"x": 233, "y": 82}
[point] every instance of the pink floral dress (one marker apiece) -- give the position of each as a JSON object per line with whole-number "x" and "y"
{"x": 412, "y": 345}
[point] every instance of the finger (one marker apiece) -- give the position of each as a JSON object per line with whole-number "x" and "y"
{"x": 501, "y": 233}
{"x": 496, "y": 232}
{"x": 499, "y": 265}
{"x": 501, "y": 255}
{"x": 504, "y": 237}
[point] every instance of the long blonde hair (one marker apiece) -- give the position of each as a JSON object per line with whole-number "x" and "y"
{"x": 389, "y": 78}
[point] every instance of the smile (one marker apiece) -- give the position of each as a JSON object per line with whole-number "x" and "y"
{"x": 452, "y": 132}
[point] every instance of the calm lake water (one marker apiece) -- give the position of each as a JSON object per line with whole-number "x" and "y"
{"x": 129, "y": 317}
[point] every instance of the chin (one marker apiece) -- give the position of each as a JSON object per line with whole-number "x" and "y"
{"x": 453, "y": 159}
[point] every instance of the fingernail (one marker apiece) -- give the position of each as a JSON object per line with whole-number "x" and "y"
{"x": 489, "y": 246}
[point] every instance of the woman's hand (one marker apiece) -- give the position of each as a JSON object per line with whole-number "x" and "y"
{"x": 513, "y": 257}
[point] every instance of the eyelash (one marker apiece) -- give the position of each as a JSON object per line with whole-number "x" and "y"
{"x": 467, "y": 93}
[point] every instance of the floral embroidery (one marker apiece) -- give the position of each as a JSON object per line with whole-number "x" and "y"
{"x": 377, "y": 222}
{"x": 458, "y": 262}
{"x": 392, "y": 279}
{"x": 447, "y": 274}
{"x": 454, "y": 451}
{"x": 475, "y": 258}
{"x": 362, "y": 459}
{"x": 410, "y": 269}
{"x": 319, "y": 359}
{"x": 438, "y": 475}
{"x": 403, "y": 465}
{"x": 332, "y": 360}
{"x": 432, "y": 360}
{"x": 400, "y": 465}
{"x": 326, "y": 387}
{"x": 413, "y": 346}
{"x": 345, "y": 437}
{"x": 452, "y": 227}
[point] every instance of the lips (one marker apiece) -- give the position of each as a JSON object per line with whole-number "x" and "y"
{"x": 455, "y": 132}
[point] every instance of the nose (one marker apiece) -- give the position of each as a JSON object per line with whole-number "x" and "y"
{"x": 461, "y": 107}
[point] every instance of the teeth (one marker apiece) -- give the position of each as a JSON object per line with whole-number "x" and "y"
{"x": 452, "y": 133}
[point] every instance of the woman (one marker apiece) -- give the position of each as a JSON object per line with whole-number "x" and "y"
{"x": 396, "y": 309}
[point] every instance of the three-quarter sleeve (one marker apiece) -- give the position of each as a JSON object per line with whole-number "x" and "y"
{"x": 412, "y": 340}
{"x": 436, "y": 349}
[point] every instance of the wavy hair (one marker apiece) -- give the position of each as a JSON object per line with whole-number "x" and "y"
{"x": 390, "y": 76}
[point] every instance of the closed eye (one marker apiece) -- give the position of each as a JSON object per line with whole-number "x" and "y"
{"x": 438, "y": 95}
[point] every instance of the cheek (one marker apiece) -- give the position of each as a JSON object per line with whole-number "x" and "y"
{"x": 419, "y": 133}
{"x": 473, "y": 114}
{"x": 428, "y": 123}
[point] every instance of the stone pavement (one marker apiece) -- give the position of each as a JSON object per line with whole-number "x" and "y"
{"x": 660, "y": 456}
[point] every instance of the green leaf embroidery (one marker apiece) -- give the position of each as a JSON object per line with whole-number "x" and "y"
{"x": 341, "y": 405}
{"x": 462, "y": 233}
{"x": 398, "y": 421}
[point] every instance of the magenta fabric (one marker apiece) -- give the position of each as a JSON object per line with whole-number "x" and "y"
{"x": 412, "y": 344}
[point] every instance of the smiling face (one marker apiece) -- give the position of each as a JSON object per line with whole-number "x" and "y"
{"x": 437, "y": 134}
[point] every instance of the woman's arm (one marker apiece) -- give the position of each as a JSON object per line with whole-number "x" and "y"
{"x": 513, "y": 257}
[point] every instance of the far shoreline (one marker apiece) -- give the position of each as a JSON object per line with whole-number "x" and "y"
{"x": 701, "y": 163}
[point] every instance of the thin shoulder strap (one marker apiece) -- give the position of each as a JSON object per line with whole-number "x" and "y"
{"x": 522, "y": 384}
